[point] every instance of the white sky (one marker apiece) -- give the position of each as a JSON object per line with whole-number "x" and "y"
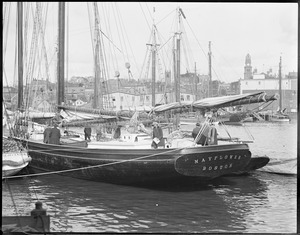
{"x": 264, "y": 30}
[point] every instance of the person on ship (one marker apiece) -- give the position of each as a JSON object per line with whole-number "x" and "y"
{"x": 157, "y": 136}
{"x": 54, "y": 136}
{"x": 47, "y": 132}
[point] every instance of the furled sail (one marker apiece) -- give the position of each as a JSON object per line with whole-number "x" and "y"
{"x": 217, "y": 102}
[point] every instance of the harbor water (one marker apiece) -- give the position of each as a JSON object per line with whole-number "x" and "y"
{"x": 257, "y": 203}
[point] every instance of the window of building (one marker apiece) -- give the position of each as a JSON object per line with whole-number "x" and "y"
{"x": 182, "y": 98}
{"x": 147, "y": 98}
{"x": 188, "y": 98}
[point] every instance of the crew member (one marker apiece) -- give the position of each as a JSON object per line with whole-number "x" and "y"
{"x": 157, "y": 136}
{"x": 54, "y": 136}
{"x": 47, "y": 132}
{"x": 117, "y": 133}
{"x": 87, "y": 133}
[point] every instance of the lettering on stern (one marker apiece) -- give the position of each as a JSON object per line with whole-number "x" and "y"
{"x": 214, "y": 159}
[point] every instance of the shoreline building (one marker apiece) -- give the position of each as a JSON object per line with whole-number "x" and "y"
{"x": 255, "y": 82}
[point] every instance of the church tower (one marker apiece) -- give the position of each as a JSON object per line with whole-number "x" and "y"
{"x": 248, "y": 68}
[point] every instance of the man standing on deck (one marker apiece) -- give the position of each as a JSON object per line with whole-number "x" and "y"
{"x": 87, "y": 133}
{"x": 47, "y": 133}
{"x": 157, "y": 135}
{"x": 54, "y": 137}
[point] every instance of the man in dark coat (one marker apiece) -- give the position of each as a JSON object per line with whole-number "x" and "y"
{"x": 54, "y": 137}
{"x": 87, "y": 133}
{"x": 157, "y": 136}
{"x": 47, "y": 134}
{"x": 117, "y": 133}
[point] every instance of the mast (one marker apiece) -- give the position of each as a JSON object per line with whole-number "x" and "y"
{"x": 20, "y": 54}
{"x": 96, "y": 61}
{"x": 177, "y": 83}
{"x": 209, "y": 68}
{"x": 280, "y": 89}
{"x": 61, "y": 55}
{"x": 153, "y": 49}
{"x": 195, "y": 80}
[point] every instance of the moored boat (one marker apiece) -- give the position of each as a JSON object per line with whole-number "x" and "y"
{"x": 139, "y": 166}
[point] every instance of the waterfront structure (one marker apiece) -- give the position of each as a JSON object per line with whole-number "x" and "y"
{"x": 254, "y": 82}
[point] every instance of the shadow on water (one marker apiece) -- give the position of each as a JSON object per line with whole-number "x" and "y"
{"x": 224, "y": 204}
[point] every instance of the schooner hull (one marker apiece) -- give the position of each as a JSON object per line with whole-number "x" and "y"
{"x": 139, "y": 166}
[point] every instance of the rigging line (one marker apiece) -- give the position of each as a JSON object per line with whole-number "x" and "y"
{"x": 149, "y": 11}
{"x": 110, "y": 40}
{"x": 145, "y": 16}
{"x": 118, "y": 33}
{"x": 95, "y": 166}
{"x": 5, "y": 29}
{"x": 196, "y": 39}
{"x": 123, "y": 31}
{"x": 111, "y": 49}
{"x": 122, "y": 22}
{"x": 165, "y": 17}
{"x": 91, "y": 27}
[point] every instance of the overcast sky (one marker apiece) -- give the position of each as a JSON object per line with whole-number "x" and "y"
{"x": 264, "y": 30}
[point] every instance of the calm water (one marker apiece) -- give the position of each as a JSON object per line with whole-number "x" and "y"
{"x": 258, "y": 203}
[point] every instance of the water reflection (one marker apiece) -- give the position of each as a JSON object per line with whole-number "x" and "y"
{"x": 253, "y": 203}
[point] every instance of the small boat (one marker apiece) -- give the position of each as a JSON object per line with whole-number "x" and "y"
{"x": 281, "y": 166}
{"x": 14, "y": 158}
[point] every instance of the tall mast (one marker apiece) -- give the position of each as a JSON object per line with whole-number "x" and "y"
{"x": 96, "y": 61}
{"x": 280, "y": 89}
{"x": 154, "y": 50}
{"x": 177, "y": 83}
{"x": 61, "y": 54}
{"x": 209, "y": 69}
{"x": 153, "y": 67}
{"x": 20, "y": 54}
{"x": 195, "y": 80}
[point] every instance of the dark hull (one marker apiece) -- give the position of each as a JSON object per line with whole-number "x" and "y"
{"x": 255, "y": 163}
{"x": 136, "y": 166}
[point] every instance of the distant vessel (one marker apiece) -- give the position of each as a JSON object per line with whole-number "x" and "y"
{"x": 278, "y": 116}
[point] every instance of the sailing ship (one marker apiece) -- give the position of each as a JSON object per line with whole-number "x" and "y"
{"x": 133, "y": 161}
{"x": 279, "y": 115}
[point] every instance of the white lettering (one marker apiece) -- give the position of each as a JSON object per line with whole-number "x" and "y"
{"x": 230, "y": 165}
{"x": 216, "y": 167}
{"x": 221, "y": 157}
{"x": 221, "y": 167}
{"x": 216, "y": 157}
{"x": 204, "y": 168}
{"x": 209, "y": 168}
{"x": 231, "y": 156}
{"x": 203, "y": 160}
{"x": 209, "y": 158}
{"x": 196, "y": 161}
{"x": 239, "y": 157}
{"x": 225, "y": 157}
{"x": 226, "y": 166}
